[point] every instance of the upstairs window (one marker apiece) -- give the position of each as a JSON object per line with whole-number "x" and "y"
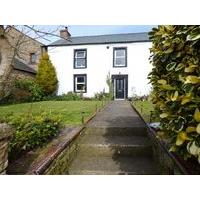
{"x": 120, "y": 57}
{"x": 80, "y": 83}
{"x": 80, "y": 58}
{"x": 33, "y": 58}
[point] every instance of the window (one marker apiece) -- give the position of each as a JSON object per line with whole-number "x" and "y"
{"x": 120, "y": 57}
{"x": 33, "y": 58}
{"x": 80, "y": 83}
{"x": 80, "y": 58}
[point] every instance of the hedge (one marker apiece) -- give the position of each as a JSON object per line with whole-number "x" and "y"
{"x": 175, "y": 77}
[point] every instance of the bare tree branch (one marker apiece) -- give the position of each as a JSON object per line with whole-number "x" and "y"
{"x": 36, "y": 31}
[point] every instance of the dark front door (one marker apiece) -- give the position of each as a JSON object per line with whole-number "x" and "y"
{"x": 119, "y": 88}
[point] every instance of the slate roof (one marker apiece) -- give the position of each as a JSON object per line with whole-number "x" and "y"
{"x": 103, "y": 39}
{"x": 22, "y": 66}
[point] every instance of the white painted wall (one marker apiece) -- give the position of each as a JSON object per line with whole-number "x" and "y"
{"x": 100, "y": 63}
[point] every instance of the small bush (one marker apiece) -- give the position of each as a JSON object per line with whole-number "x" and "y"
{"x": 70, "y": 96}
{"x": 31, "y": 132}
{"x": 23, "y": 90}
{"x": 102, "y": 96}
{"x": 140, "y": 98}
{"x": 32, "y": 91}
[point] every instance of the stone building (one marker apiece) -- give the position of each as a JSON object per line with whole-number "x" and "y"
{"x": 19, "y": 56}
{"x": 28, "y": 49}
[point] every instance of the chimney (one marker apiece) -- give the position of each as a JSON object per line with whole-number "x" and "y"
{"x": 64, "y": 33}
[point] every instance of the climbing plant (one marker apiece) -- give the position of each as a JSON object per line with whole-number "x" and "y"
{"x": 175, "y": 77}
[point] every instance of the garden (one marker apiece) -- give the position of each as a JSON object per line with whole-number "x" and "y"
{"x": 37, "y": 114}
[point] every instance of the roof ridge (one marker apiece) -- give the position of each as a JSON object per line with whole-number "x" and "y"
{"x": 109, "y": 34}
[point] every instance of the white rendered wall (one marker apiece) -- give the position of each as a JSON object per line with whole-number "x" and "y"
{"x": 99, "y": 64}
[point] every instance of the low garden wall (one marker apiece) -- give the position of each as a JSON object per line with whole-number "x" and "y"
{"x": 5, "y": 135}
{"x": 166, "y": 161}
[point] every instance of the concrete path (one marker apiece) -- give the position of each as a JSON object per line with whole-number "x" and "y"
{"x": 115, "y": 142}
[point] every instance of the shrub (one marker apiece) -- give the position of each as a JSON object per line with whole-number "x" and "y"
{"x": 23, "y": 90}
{"x": 70, "y": 96}
{"x": 176, "y": 85}
{"x": 110, "y": 86}
{"x": 31, "y": 131}
{"x": 31, "y": 90}
{"x": 140, "y": 98}
{"x": 46, "y": 75}
{"x": 99, "y": 96}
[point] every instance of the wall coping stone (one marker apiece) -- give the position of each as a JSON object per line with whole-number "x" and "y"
{"x": 5, "y": 131}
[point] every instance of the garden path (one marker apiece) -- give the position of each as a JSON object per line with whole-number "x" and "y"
{"x": 115, "y": 141}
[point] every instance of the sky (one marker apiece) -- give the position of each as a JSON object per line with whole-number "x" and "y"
{"x": 85, "y": 30}
{"x": 81, "y": 30}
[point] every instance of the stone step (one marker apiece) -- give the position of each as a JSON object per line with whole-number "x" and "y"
{"x": 138, "y": 165}
{"x": 112, "y": 131}
{"x": 96, "y": 145}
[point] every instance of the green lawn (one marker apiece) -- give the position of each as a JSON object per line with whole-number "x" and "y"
{"x": 69, "y": 110}
{"x": 144, "y": 108}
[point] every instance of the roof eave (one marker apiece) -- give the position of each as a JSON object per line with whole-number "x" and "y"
{"x": 99, "y": 43}
{"x": 27, "y": 71}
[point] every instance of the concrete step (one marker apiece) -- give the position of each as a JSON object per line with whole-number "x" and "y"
{"x": 114, "y": 131}
{"x": 137, "y": 165}
{"x": 97, "y": 145}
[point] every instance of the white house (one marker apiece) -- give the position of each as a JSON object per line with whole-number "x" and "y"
{"x": 83, "y": 63}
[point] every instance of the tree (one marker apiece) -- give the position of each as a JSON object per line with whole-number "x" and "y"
{"x": 46, "y": 75}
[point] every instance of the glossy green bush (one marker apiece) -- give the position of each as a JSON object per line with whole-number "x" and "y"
{"x": 175, "y": 77}
{"x": 31, "y": 132}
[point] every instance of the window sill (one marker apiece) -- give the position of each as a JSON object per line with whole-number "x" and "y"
{"x": 118, "y": 66}
{"x": 80, "y": 67}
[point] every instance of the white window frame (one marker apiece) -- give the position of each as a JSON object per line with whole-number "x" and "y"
{"x": 76, "y": 83}
{"x": 124, "y": 57}
{"x": 78, "y": 57}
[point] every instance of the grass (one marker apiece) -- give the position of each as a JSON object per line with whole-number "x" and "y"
{"x": 70, "y": 111}
{"x": 144, "y": 108}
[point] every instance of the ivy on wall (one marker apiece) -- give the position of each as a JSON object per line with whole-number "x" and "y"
{"x": 175, "y": 77}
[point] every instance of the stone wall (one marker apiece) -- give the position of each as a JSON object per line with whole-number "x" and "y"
{"x": 7, "y": 72}
{"x": 61, "y": 164}
{"x": 166, "y": 164}
{"x": 5, "y": 135}
{"x": 17, "y": 74}
{"x": 26, "y": 47}
{"x": 5, "y": 64}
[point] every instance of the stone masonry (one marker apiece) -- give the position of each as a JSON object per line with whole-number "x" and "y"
{"x": 5, "y": 135}
{"x": 27, "y": 45}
